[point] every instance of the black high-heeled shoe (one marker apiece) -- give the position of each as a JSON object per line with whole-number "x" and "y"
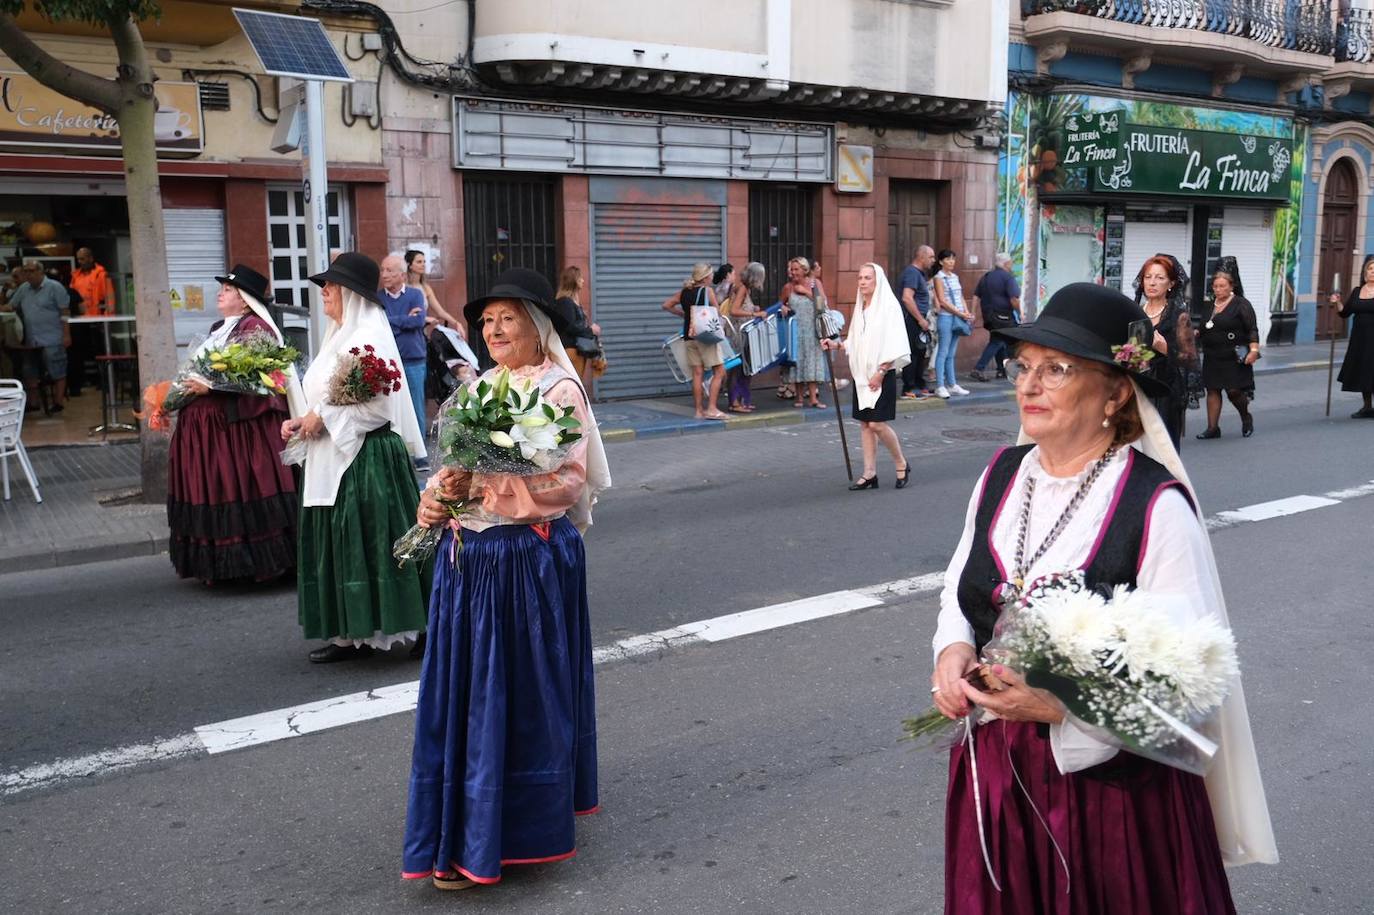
{"x": 1210, "y": 433}
{"x": 861, "y": 483}
{"x": 904, "y": 476}
{"x": 1247, "y": 425}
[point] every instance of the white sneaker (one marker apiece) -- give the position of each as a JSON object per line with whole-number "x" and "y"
{"x": 942, "y": 392}
{"x": 958, "y": 390}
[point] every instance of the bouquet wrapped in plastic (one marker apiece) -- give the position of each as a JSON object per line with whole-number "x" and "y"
{"x": 256, "y": 364}
{"x": 498, "y": 425}
{"x": 360, "y": 375}
{"x": 1127, "y": 670}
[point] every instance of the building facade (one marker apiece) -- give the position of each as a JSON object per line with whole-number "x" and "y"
{"x": 634, "y": 140}
{"x": 1197, "y": 130}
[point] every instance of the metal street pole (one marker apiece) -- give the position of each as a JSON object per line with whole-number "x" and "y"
{"x": 314, "y": 159}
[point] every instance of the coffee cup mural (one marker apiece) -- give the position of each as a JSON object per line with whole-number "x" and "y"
{"x": 171, "y": 124}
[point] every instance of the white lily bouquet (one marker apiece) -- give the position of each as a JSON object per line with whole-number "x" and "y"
{"x": 498, "y": 425}
{"x": 1122, "y": 665}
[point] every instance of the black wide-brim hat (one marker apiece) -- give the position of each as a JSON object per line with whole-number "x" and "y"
{"x": 1086, "y": 320}
{"x": 250, "y": 281}
{"x": 356, "y": 272}
{"x": 518, "y": 283}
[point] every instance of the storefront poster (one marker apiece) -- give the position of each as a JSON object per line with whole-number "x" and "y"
{"x": 1287, "y": 227}
{"x": 32, "y": 115}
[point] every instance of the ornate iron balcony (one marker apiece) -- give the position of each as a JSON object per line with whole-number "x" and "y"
{"x": 1355, "y": 37}
{"x": 1293, "y": 25}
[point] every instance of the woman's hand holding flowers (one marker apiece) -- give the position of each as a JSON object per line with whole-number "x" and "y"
{"x": 954, "y": 662}
{"x": 449, "y": 485}
{"x": 1015, "y": 702}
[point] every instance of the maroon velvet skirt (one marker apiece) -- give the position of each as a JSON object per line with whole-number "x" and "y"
{"x": 1138, "y": 836}
{"x": 231, "y": 503}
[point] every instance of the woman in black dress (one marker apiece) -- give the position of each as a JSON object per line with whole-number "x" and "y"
{"x": 1230, "y": 346}
{"x": 1357, "y": 371}
{"x": 1162, "y": 284}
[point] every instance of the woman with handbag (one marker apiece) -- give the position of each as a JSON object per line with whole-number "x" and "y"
{"x": 743, "y": 305}
{"x": 804, "y": 297}
{"x": 696, "y": 305}
{"x": 1230, "y": 347}
{"x": 953, "y": 321}
{"x": 878, "y": 350}
{"x": 581, "y": 337}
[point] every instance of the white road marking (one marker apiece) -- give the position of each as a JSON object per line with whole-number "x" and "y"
{"x": 281, "y": 724}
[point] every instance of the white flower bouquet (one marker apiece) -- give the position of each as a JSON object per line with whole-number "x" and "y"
{"x": 1121, "y": 665}
{"x": 498, "y": 425}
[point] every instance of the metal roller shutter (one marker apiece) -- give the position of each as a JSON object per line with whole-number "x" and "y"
{"x": 641, "y": 252}
{"x": 1248, "y": 236}
{"x": 195, "y": 255}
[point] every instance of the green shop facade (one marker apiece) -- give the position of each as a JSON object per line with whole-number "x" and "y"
{"x": 1091, "y": 185}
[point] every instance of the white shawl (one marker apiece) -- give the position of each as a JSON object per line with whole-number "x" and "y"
{"x": 329, "y": 456}
{"x": 1234, "y": 786}
{"x": 598, "y": 469}
{"x": 877, "y": 334}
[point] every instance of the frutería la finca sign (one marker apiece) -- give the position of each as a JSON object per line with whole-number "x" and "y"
{"x": 1174, "y": 161}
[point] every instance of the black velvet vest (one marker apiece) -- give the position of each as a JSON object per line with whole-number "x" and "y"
{"x": 1114, "y": 560}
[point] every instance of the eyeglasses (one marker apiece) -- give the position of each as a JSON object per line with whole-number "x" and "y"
{"x": 1052, "y": 375}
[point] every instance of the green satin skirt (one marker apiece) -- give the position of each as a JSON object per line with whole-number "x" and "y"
{"x": 348, "y": 585}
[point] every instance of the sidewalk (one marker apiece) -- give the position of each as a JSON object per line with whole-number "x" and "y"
{"x": 87, "y": 516}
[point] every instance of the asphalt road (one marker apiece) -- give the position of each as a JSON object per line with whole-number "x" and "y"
{"x": 756, "y": 775}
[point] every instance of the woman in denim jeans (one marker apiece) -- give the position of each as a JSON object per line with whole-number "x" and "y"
{"x": 949, "y": 303}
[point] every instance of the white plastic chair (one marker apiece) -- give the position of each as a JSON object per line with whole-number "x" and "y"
{"x": 12, "y": 401}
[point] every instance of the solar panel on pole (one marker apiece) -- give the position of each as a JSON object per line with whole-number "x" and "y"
{"x": 294, "y": 46}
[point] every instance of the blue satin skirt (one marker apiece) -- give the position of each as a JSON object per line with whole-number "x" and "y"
{"x": 505, "y": 729}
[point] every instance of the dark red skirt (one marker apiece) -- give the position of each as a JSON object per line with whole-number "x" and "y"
{"x": 1138, "y": 836}
{"x": 231, "y": 503}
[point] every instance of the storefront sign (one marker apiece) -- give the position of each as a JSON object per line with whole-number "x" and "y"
{"x": 1166, "y": 160}
{"x": 33, "y": 115}
{"x": 1092, "y": 138}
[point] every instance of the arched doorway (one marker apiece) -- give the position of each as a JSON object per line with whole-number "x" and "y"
{"x": 1340, "y": 210}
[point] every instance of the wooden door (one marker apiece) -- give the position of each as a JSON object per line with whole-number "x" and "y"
{"x": 912, "y": 221}
{"x": 1339, "y": 212}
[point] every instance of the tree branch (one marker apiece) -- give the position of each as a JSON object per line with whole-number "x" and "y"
{"x": 78, "y": 84}
{"x": 135, "y": 68}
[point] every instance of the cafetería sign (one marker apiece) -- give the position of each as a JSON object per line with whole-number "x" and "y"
{"x": 32, "y": 115}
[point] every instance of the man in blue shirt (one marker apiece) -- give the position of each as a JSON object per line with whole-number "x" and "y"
{"x": 405, "y": 309}
{"x": 998, "y": 298}
{"x": 43, "y": 305}
{"x": 913, "y": 291}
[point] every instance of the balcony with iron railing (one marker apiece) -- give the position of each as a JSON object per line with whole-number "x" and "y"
{"x": 1290, "y": 40}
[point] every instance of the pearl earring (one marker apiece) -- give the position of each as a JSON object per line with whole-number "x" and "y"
{"x": 1107, "y": 423}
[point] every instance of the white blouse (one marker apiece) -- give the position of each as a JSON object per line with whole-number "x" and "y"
{"x": 1175, "y": 566}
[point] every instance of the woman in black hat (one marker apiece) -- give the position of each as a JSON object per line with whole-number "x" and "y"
{"x": 231, "y": 504}
{"x": 1230, "y": 346}
{"x": 358, "y": 494}
{"x": 1096, "y": 487}
{"x": 505, "y": 727}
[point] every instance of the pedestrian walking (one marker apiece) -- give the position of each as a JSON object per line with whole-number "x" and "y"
{"x": 1162, "y": 286}
{"x": 878, "y": 350}
{"x": 1074, "y": 823}
{"x": 505, "y": 727}
{"x": 696, "y": 301}
{"x": 231, "y": 502}
{"x": 804, "y": 297}
{"x": 417, "y": 268}
{"x": 1357, "y": 370}
{"x": 359, "y": 494}
{"x": 997, "y": 298}
{"x": 581, "y": 337}
{"x": 914, "y": 293}
{"x": 953, "y": 322}
{"x": 1230, "y": 346}
{"x": 43, "y": 305}
{"x": 745, "y": 304}
{"x": 406, "y": 312}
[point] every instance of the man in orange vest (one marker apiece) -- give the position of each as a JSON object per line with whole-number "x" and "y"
{"x": 93, "y": 284}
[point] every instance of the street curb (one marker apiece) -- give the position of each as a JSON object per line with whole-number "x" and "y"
{"x": 86, "y": 550}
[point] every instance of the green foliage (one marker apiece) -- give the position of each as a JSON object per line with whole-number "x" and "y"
{"x": 95, "y": 12}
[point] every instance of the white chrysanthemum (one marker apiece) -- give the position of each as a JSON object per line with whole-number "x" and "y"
{"x": 1150, "y": 641}
{"x": 1206, "y": 681}
{"x": 1077, "y": 625}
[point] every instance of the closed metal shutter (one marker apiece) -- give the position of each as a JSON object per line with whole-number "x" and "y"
{"x": 1248, "y": 236}
{"x": 195, "y": 255}
{"x": 641, "y": 253}
{"x": 1143, "y": 240}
